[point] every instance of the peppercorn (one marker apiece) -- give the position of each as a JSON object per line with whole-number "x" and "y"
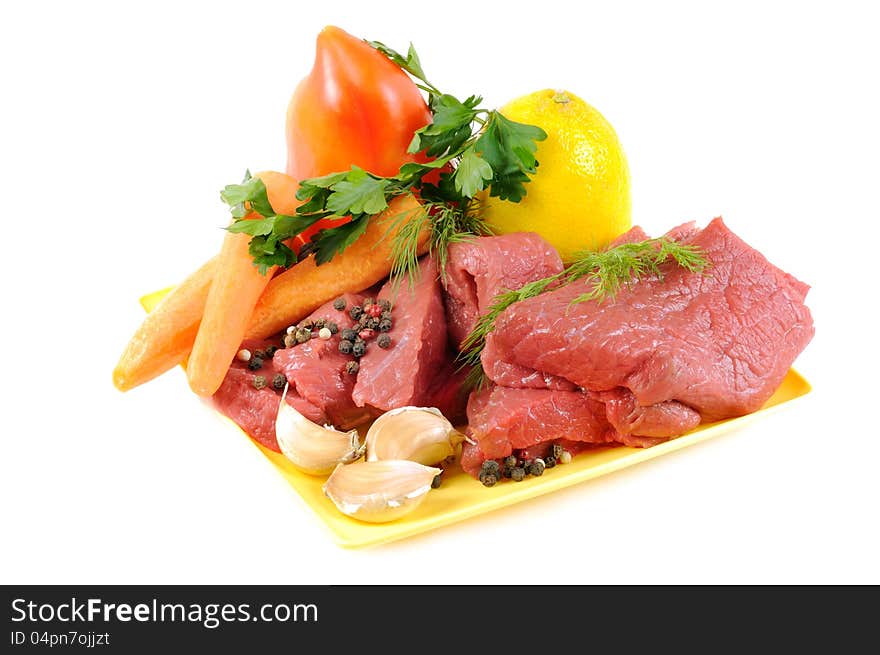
{"x": 549, "y": 462}
{"x": 386, "y": 314}
{"x": 352, "y": 367}
{"x": 526, "y": 464}
{"x": 566, "y": 457}
{"x": 339, "y": 304}
{"x": 306, "y": 324}
{"x": 367, "y": 303}
{"x": 332, "y": 327}
{"x": 349, "y": 335}
{"x": 278, "y": 381}
{"x": 261, "y": 354}
{"x": 259, "y": 381}
{"x": 324, "y": 333}
{"x": 256, "y": 363}
{"x": 436, "y": 481}
{"x": 362, "y": 321}
{"x": 243, "y": 355}
{"x": 384, "y": 341}
{"x": 488, "y": 479}
{"x": 359, "y": 348}
{"x": 319, "y": 323}
{"x": 385, "y": 325}
{"x": 510, "y": 461}
{"x": 556, "y": 451}
{"x": 517, "y": 473}
{"x": 303, "y": 335}
{"x": 537, "y": 467}
{"x": 270, "y": 351}
{"x": 490, "y": 466}
{"x": 289, "y": 340}
{"x": 385, "y": 304}
{"x": 356, "y": 312}
{"x": 345, "y": 346}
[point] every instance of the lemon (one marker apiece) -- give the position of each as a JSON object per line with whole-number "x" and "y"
{"x": 579, "y": 199}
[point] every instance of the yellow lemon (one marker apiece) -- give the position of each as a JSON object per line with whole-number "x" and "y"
{"x": 579, "y": 199}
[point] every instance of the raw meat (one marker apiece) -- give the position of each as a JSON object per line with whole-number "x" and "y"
{"x": 403, "y": 374}
{"x": 479, "y": 269}
{"x": 320, "y": 387}
{"x": 719, "y": 343}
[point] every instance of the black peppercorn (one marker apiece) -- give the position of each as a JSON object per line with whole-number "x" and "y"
{"x": 352, "y": 367}
{"x": 356, "y": 312}
{"x": 278, "y": 381}
{"x": 385, "y": 304}
{"x": 339, "y": 304}
{"x": 384, "y": 341}
{"x": 556, "y": 451}
{"x": 345, "y": 346}
{"x": 332, "y": 327}
{"x": 537, "y": 467}
{"x": 549, "y": 462}
{"x": 518, "y": 473}
{"x": 385, "y": 325}
{"x": 488, "y": 479}
{"x": 348, "y": 334}
{"x": 359, "y": 348}
{"x": 255, "y": 364}
{"x": 510, "y": 461}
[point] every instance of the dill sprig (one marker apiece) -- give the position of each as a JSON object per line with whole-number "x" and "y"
{"x": 448, "y": 224}
{"x": 606, "y": 270}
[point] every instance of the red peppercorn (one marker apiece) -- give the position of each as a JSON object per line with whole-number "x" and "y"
{"x": 375, "y": 311}
{"x": 367, "y": 334}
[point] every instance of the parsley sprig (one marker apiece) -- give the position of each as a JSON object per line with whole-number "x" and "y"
{"x": 605, "y": 271}
{"x": 476, "y": 149}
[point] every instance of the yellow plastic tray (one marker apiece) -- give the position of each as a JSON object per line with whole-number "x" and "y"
{"x": 461, "y": 497}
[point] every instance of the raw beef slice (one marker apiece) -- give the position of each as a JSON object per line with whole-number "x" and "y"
{"x": 320, "y": 387}
{"x": 480, "y": 268}
{"x": 719, "y": 342}
{"x": 403, "y": 374}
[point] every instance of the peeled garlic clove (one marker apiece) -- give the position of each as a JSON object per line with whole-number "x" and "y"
{"x": 378, "y": 492}
{"x": 419, "y": 434}
{"x": 312, "y": 448}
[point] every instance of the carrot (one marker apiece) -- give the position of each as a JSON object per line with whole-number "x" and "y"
{"x": 166, "y": 336}
{"x": 304, "y": 287}
{"x": 234, "y": 291}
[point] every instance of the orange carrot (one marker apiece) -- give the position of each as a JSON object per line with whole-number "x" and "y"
{"x": 166, "y": 336}
{"x": 236, "y": 287}
{"x": 304, "y": 287}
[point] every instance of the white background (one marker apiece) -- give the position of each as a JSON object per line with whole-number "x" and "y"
{"x": 121, "y": 123}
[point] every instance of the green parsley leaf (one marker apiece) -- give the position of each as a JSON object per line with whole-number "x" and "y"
{"x": 471, "y": 174}
{"x": 358, "y": 193}
{"x": 334, "y": 240}
{"x": 255, "y": 227}
{"x": 509, "y": 148}
{"x": 411, "y": 63}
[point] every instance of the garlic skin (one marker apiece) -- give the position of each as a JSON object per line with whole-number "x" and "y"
{"x": 312, "y": 448}
{"x": 379, "y": 491}
{"x": 418, "y": 434}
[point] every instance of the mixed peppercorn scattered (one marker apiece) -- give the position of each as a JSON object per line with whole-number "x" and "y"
{"x": 517, "y": 468}
{"x": 373, "y": 322}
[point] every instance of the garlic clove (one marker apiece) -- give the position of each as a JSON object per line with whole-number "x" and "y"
{"x": 377, "y": 492}
{"x": 419, "y": 434}
{"x": 312, "y": 448}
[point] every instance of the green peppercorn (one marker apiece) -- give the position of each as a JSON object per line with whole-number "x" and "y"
{"x": 359, "y": 348}
{"x": 349, "y": 335}
{"x": 518, "y": 473}
{"x": 436, "y": 481}
{"x": 490, "y": 466}
{"x": 339, "y": 304}
{"x": 384, "y": 341}
{"x": 352, "y": 367}
{"x": 303, "y": 335}
{"x": 510, "y": 461}
{"x": 332, "y": 327}
{"x": 259, "y": 381}
{"x": 537, "y": 467}
{"x": 255, "y": 363}
{"x": 306, "y": 324}
{"x": 385, "y": 325}
{"x": 345, "y": 347}
{"x": 319, "y": 323}
{"x": 289, "y": 340}
{"x": 356, "y": 312}
{"x": 385, "y": 304}
{"x": 549, "y": 462}
{"x": 488, "y": 479}
{"x": 556, "y": 451}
